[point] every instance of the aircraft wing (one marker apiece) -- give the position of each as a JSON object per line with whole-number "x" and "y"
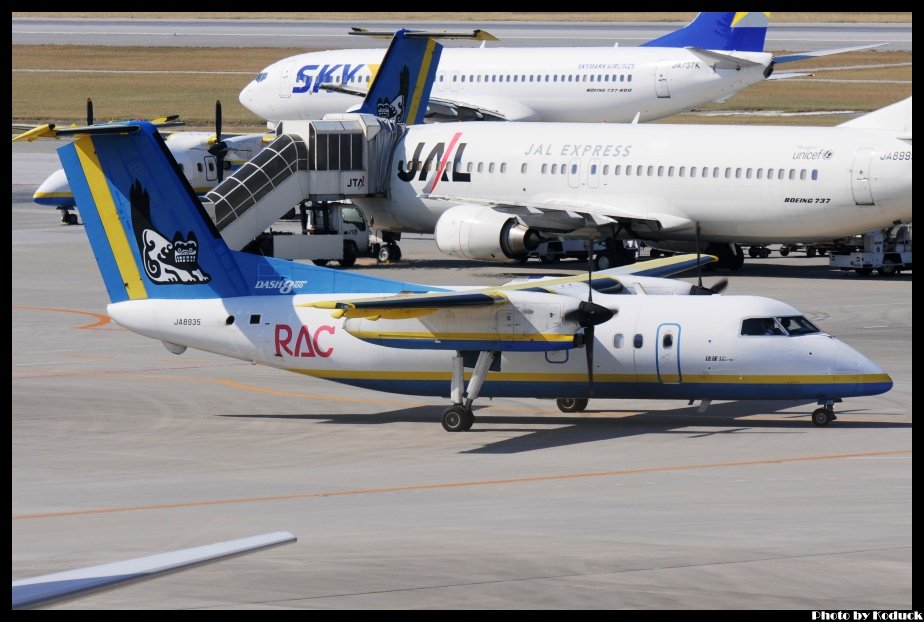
{"x": 446, "y": 109}
{"x": 564, "y": 215}
{"x": 61, "y": 585}
{"x": 790, "y": 58}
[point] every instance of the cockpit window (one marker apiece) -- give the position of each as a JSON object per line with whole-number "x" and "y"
{"x": 789, "y": 325}
{"x": 260, "y": 77}
{"x": 797, "y": 325}
{"x": 761, "y": 326}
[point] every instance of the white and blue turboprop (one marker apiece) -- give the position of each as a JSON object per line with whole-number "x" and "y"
{"x": 171, "y": 277}
{"x": 713, "y": 57}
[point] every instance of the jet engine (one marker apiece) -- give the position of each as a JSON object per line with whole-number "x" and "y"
{"x": 481, "y": 232}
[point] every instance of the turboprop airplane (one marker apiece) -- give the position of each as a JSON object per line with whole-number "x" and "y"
{"x": 203, "y": 158}
{"x": 171, "y": 277}
{"x": 713, "y": 57}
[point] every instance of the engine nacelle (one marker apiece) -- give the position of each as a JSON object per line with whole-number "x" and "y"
{"x": 481, "y": 232}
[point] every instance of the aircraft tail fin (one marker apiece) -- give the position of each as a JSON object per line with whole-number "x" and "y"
{"x": 743, "y": 32}
{"x": 402, "y": 85}
{"x": 896, "y": 117}
{"x": 153, "y": 239}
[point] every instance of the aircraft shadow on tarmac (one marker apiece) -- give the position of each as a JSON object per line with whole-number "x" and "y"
{"x": 593, "y": 425}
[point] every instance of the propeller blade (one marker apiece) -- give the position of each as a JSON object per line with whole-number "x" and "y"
{"x": 699, "y": 266}
{"x": 89, "y": 111}
{"x": 589, "y": 352}
{"x": 220, "y": 148}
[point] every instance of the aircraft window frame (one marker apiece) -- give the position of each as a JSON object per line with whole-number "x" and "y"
{"x": 650, "y": 170}
{"x": 523, "y": 168}
{"x": 639, "y": 170}
{"x": 638, "y": 341}
{"x": 760, "y": 173}
{"x": 554, "y": 169}
{"x": 570, "y": 78}
{"x": 591, "y": 77}
{"x": 481, "y": 167}
{"x": 593, "y": 169}
{"x": 199, "y": 166}
{"x": 503, "y": 167}
{"x": 564, "y": 169}
{"x": 606, "y": 78}
{"x": 781, "y": 174}
{"x": 619, "y": 341}
{"x": 770, "y": 173}
{"x": 515, "y": 78}
{"x": 622, "y": 77}
{"x": 692, "y": 172}
{"x": 629, "y": 78}
{"x": 523, "y": 78}
{"x": 574, "y": 169}
{"x": 738, "y": 173}
{"x": 682, "y": 171}
{"x": 211, "y": 166}
{"x": 261, "y": 76}
{"x": 606, "y": 169}
{"x": 544, "y": 169}
{"x": 727, "y": 172}
{"x": 715, "y": 172}
{"x": 814, "y": 174}
{"x": 490, "y": 167}
{"x": 585, "y": 78}
{"x": 628, "y": 170}
{"x": 670, "y": 171}
{"x": 661, "y": 171}
{"x": 468, "y": 167}
{"x": 462, "y": 78}
{"x": 803, "y": 174}
{"x": 761, "y": 327}
{"x": 455, "y": 78}
{"x": 792, "y": 174}
{"x": 617, "y": 170}
{"x": 440, "y": 78}
{"x": 797, "y": 325}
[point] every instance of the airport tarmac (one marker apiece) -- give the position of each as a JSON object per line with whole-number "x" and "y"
{"x": 121, "y": 449}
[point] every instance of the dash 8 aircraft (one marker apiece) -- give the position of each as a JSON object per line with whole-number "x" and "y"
{"x": 171, "y": 277}
{"x": 714, "y": 56}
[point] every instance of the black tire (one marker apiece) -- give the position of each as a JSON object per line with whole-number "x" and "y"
{"x": 468, "y": 421}
{"x": 810, "y": 251}
{"x": 822, "y": 252}
{"x": 754, "y": 251}
{"x": 571, "y": 404}
{"x": 396, "y": 251}
{"x": 320, "y": 262}
{"x": 821, "y": 417}
{"x": 784, "y": 251}
{"x": 764, "y": 253}
{"x": 888, "y": 268}
{"x": 454, "y": 418}
{"x": 603, "y": 261}
{"x": 385, "y": 254}
{"x": 349, "y": 255}
{"x": 864, "y": 271}
{"x": 654, "y": 253}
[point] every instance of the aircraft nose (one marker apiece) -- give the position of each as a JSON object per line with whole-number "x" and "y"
{"x": 854, "y": 368}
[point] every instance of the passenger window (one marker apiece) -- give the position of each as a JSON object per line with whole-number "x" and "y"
{"x": 638, "y": 170}
{"x": 545, "y": 167}
{"x": 760, "y": 173}
{"x": 802, "y": 174}
{"x": 593, "y": 169}
{"x": 814, "y": 174}
{"x": 617, "y": 170}
{"x": 606, "y": 78}
{"x": 769, "y": 173}
{"x": 638, "y": 341}
{"x": 606, "y": 169}
{"x": 503, "y": 167}
{"x": 554, "y": 169}
{"x": 618, "y": 341}
{"x": 491, "y": 167}
{"x": 792, "y": 174}
{"x": 628, "y": 170}
{"x": 692, "y": 171}
{"x": 781, "y": 174}
{"x": 199, "y": 166}
{"x": 650, "y": 171}
{"x": 728, "y": 173}
{"x": 660, "y": 171}
{"x": 574, "y": 169}
{"x": 748, "y": 173}
{"x": 480, "y": 167}
{"x": 667, "y": 341}
{"x": 468, "y": 167}
{"x": 629, "y": 78}
{"x": 462, "y": 79}
{"x": 715, "y": 172}
{"x": 682, "y": 171}
{"x": 737, "y": 173}
{"x": 211, "y": 166}
{"x": 670, "y": 171}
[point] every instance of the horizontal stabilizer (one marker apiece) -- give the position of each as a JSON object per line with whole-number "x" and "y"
{"x": 791, "y": 58}
{"x": 718, "y": 60}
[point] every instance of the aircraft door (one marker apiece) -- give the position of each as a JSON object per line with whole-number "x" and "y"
{"x": 668, "y": 354}
{"x": 593, "y": 173}
{"x": 574, "y": 172}
{"x": 860, "y": 176}
{"x": 211, "y": 168}
{"x": 661, "y": 73}
{"x": 285, "y": 80}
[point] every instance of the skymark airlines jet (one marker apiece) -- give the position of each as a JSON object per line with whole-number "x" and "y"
{"x": 171, "y": 277}
{"x": 714, "y": 56}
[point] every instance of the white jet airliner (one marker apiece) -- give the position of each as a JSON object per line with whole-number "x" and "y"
{"x": 713, "y": 57}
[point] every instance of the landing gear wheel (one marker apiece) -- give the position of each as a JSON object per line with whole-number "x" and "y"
{"x": 764, "y": 253}
{"x": 603, "y": 261}
{"x": 319, "y": 262}
{"x": 549, "y": 258}
{"x": 71, "y": 219}
{"x": 784, "y": 251}
{"x": 754, "y": 251}
{"x": 654, "y": 253}
{"x": 468, "y": 421}
{"x": 455, "y": 418}
{"x": 822, "y": 417}
{"x": 385, "y": 254}
{"x": 810, "y": 251}
{"x": 396, "y": 251}
{"x": 571, "y": 404}
{"x": 822, "y": 252}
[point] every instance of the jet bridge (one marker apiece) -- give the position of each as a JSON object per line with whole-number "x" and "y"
{"x": 340, "y": 157}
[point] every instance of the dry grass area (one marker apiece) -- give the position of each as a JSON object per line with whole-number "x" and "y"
{"x": 49, "y": 96}
{"x": 638, "y": 16}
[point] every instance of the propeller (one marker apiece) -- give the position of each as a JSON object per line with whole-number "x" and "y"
{"x": 698, "y": 289}
{"x": 89, "y": 111}
{"x": 587, "y": 316}
{"x": 219, "y": 148}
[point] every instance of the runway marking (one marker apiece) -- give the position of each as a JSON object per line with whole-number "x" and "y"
{"x": 101, "y": 320}
{"x": 451, "y": 485}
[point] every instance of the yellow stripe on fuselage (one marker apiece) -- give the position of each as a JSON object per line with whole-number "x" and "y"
{"x": 421, "y": 79}
{"x": 109, "y": 215}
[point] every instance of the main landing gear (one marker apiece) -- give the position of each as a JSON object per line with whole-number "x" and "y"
{"x": 459, "y": 416}
{"x": 731, "y": 256}
{"x": 824, "y": 415}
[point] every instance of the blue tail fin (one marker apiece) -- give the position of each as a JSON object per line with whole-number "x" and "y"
{"x": 152, "y": 238}
{"x": 744, "y": 32}
{"x": 402, "y": 85}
